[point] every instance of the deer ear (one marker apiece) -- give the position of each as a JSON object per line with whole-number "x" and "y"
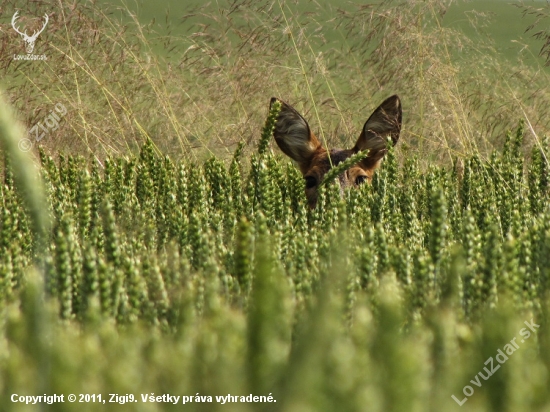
{"x": 384, "y": 121}
{"x": 293, "y": 135}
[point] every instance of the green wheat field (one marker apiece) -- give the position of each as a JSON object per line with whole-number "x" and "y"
{"x": 156, "y": 247}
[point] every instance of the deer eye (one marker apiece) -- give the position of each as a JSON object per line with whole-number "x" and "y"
{"x": 360, "y": 180}
{"x": 310, "y": 182}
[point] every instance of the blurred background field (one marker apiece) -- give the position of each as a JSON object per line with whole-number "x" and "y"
{"x": 196, "y": 78}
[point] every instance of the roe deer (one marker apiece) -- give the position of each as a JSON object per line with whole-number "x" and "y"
{"x": 296, "y": 140}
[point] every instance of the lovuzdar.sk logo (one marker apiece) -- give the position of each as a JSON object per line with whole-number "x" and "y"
{"x": 29, "y": 40}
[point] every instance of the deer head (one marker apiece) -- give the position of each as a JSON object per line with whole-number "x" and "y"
{"x": 297, "y": 141}
{"x": 29, "y": 40}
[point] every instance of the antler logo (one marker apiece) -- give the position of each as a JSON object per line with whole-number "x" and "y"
{"x": 29, "y": 40}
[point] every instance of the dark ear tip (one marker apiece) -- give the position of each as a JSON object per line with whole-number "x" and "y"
{"x": 394, "y": 99}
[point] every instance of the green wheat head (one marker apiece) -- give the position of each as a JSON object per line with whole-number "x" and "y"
{"x": 269, "y": 126}
{"x": 343, "y": 166}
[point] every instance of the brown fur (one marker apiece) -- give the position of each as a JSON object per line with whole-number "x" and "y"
{"x": 295, "y": 139}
